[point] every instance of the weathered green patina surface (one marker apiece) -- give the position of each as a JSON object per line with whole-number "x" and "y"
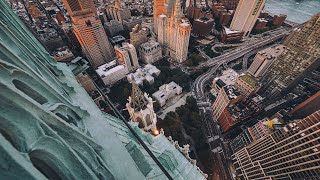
{"x": 51, "y": 128}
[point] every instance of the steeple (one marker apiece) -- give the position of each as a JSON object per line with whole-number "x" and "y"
{"x": 138, "y": 101}
{"x": 140, "y": 109}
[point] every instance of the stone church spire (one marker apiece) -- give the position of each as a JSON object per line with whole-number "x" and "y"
{"x": 140, "y": 109}
{"x": 138, "y": 101}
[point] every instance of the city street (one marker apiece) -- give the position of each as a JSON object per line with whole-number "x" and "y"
{"x": 213, "y": 132}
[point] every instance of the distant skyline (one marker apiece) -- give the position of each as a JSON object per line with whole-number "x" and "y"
{"x": 297, "y": 10}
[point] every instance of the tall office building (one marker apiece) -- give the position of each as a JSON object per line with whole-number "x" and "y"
{"x": 116, "y": 12}
{"x": 76, "y": 6}
{"x": 251, "y": 134}
{"x": 51, "y": 129}
{"x": 174, "y": 33}
{"x": 299, "y": 58}
{"x": 138, "y": 35}
{"x": 127, "y": 56}
{"x": 307, "y": 107}
{"x": 292, "y": 152}
{"x": 89, "y": 32}
{"x": 263, "y": 60}
{"x": 246, "y": 15}
{"x": 158, "y": 9}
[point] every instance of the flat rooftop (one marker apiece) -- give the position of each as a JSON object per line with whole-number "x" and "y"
{"x": 149, "y": 45}
{"x": 249, "y": 80}
{"x": 109, "y": 68}
{"x": 229, "y": 76}
{"x": 272, "y": 52}
{"x": 230, "y": 31}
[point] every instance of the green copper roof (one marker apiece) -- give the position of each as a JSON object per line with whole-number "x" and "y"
{"x": 49, "y": 125}
{"x": 170, "y": 157}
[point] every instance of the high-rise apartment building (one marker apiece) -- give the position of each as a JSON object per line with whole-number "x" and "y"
{"x": 278, "y": 20}
{"x": 220, "y": 12}
{"x": 116, "y": 12}
{"x": 158, "y": 9}
{"x": 75, "y": 7}
{"x": 307, "y": 107}
{"x": 138, "y": 36}
{"x": 251, "y": 134}
{"x": 246, "y": 15}
{"x": 113, "y": 27}
{"x": 202, "y": 26}
{"x": 51, "y": 129}
{"x": 263, "y": 60}
{"x": 127, "y": 56}
{"x": 174, "y": 33}
{"x": 89, "y": 32}
{"x": 299, "y": 58}
{"x": 226, "y": 96}
{"x": 292, "y": 152}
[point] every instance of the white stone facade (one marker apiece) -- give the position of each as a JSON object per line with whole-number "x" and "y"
{"x": 146, "y": 73}
{"x": 112, "y": 72}
{"x": 166, "y": 92}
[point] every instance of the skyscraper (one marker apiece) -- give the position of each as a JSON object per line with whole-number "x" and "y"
{"x": 51, "y": 129}
{"x": 263, "y": 60}
{"x": 174, "y": 33}
{"x": 116, "y": 12}
{"x": 138, "y": 36}
{"x": 307, "y": 107}
{"x": 299, "y": 58}
{"x": 127, "y": 56}
{"x": 293, "y": 152}
{"x": 246, "y": 15}
{"x": 76, "y": 6}
{"x": 89, "y": 32}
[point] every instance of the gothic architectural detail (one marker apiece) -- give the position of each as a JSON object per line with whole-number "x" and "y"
{"x": 140, "y": 108}
{"x": 173, "y": 31}
{"x": 185, "y": 151}
{"x": 51, "y": 129}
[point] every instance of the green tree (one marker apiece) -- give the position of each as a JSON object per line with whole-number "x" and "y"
{"x": 173, "y": 127}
